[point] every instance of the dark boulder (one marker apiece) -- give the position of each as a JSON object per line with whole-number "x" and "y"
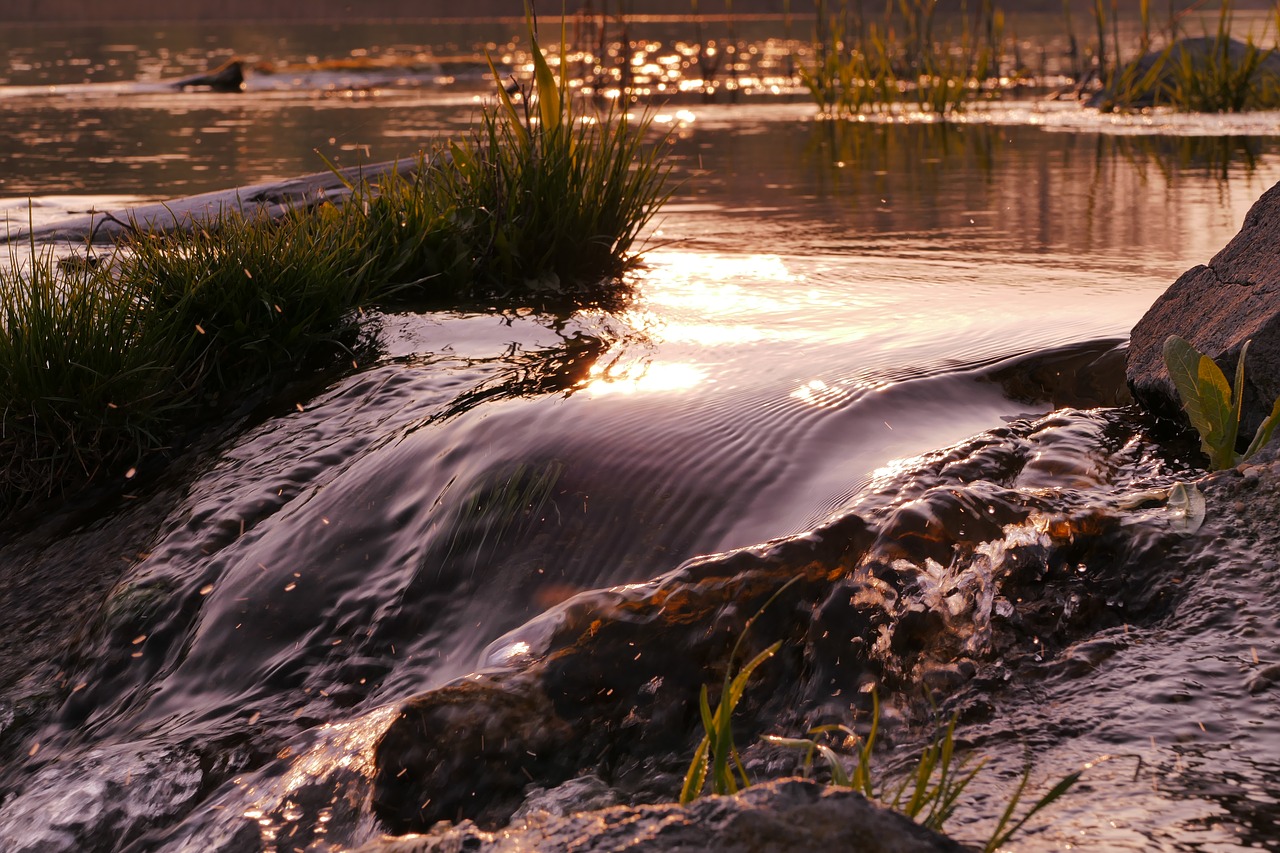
{"x": 1235, "y": 298}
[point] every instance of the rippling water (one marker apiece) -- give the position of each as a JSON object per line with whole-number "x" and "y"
{"x": 821, "y": 302}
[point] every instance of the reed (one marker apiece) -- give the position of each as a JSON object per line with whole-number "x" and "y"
{"x": 904, "y": 60}
{"x": 1213, "y": 74}
{"x": 102, "y": 364}
{"x": 928, "y": 792}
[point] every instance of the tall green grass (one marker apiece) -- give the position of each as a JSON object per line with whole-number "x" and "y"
{"x": 103, "y": 364}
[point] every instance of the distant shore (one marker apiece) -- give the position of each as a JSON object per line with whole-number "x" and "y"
{"x": 73, "y": 12}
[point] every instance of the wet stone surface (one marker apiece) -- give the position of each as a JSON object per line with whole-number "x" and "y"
{"x": 773, "y": 817}
{"x": 987, "y": 560}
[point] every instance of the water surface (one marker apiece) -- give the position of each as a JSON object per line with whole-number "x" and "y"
{"x": 821, "y": 301}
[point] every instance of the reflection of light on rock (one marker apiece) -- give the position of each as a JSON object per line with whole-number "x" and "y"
{"x": 646, "y": 378}
{"x": 346, "y": 746}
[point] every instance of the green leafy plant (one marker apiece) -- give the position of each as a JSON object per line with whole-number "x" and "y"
{"x": 716, "y": 756}
{"x": 1211, "y": 405}
{"x": 930, "y": 792}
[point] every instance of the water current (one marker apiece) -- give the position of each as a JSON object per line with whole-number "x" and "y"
{"x": 824, "y": 309}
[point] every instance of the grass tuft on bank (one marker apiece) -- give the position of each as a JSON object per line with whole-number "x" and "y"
{"x": 104, "y": 363}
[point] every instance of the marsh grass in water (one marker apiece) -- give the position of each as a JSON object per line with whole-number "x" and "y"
{"x": 103, "y": 363}
{"x": 904, "y": 59}
{"x": 1215, "y": 73}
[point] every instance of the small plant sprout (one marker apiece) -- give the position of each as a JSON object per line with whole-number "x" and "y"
{"x": 717, "y": 756}
{"x": 1212, "y": 406}
{"x": 929, "y": 792}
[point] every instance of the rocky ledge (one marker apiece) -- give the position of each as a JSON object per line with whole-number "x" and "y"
{"x": 781, "y": 816}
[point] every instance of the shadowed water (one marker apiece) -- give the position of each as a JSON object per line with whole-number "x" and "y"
{"x": 822, "y": 304}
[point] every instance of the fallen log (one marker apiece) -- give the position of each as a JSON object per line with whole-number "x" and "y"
{"x": 271, "y": 198}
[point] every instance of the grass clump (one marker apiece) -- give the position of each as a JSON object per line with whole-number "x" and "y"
{"x": 103, "y": 363}
{"x": 929, "y": 791}
{"x": 716, "y": 757}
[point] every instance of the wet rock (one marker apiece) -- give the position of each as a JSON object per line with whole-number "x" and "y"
{"x": 1001, "y": 551}
{"x": 114, "y": 796}
{"x": 782, "y": 815}
{"x": 1217, "y": 307}
{"x": 227, "y": 77}
{"x": 587, "y": 793}
{"x": 466, "y": 749}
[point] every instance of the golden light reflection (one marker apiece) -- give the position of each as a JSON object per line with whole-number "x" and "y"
{"x": 702, "y": 266}
{"x": 712, "y": 334}
{"x": 819, "y": 394}
{"x": 712, "y": 299}
{"x": 346, "y": 745}
{"x": 644, "y": 378}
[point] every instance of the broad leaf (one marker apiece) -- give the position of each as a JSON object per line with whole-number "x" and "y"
{"x": 1206, "y": 398}
{"x": 1219, "y": 441}
{"x": 1238, "y": 390}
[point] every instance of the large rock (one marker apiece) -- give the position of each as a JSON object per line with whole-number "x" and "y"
{"x": 783, "y": 815}
{"x": 1217, "y": 308}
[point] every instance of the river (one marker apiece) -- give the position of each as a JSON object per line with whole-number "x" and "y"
{"x": 821, "y": 304}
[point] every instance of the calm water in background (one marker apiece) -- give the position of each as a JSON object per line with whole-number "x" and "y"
{"x": 821, "y": 299}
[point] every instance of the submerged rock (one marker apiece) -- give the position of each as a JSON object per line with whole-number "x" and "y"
{"x": 783, "y": 815}
{"x": 1217, "y": 307}
{"x": 990, "y": 556}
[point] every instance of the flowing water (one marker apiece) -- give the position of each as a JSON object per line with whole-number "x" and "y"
{"x": 822, "y": 307}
